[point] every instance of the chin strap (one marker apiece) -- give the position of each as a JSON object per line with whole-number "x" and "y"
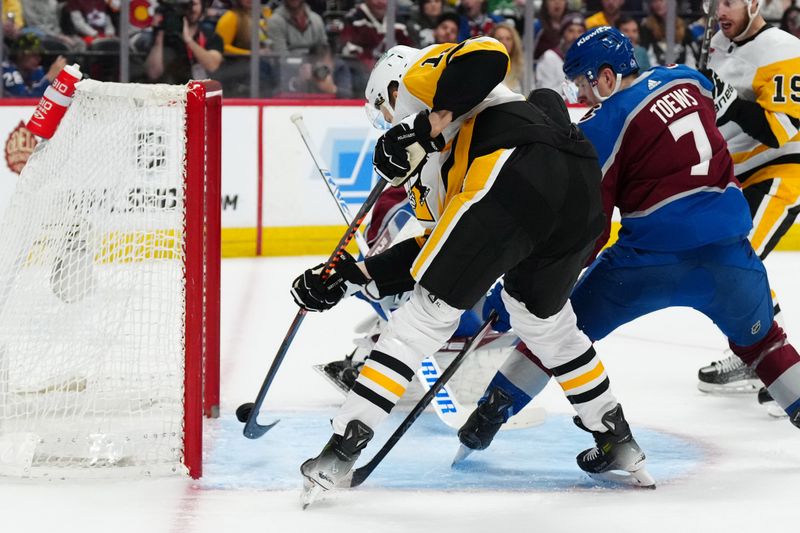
{"x": 616, "y": 88}
{"x": 751, "y": 15}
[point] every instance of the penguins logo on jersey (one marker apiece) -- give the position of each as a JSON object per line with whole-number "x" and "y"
{"x": 418, "y": 198}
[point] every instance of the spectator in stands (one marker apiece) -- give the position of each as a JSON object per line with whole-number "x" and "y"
{"x": 446, "y": 30}
{"x": 507, "y": 34}
{"x": 547, "y": 29}
{"x": 630, "y": 28}
{"x": 790, "y": 21}
{"x": 607, "y": 16}
{"x": 294, "y": 27}
{"x": 91, "y": 19}
{"x": 13, "y": 19}
{"x": 653, "y": 36}
{"x": 42, "y": 18}
{"x": 474, "y": 20}
{"x": 772, "y": 10}
{"x": 193, "y": 53}
{"x": 549, "y": 68}
{"x": 424, "y": 18}
{"x": 23, "y": 74}
{"x": 236, "y": 25}
{"x": 364, "y": 30}
{"x": 322, "y": 73}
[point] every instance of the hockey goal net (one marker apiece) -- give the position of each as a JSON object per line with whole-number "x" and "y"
{"x": 109, "y": 287}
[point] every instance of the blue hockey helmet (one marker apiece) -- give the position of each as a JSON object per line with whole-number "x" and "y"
{"x": 597, "y": 48}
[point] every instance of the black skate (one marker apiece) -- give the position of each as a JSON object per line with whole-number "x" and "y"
{"x": 483, "y": 424}
{"x": 616, "y": 456}
{"x": 335, "y": 461}
{"x": 766, "y": 399}
{"x": 342, "y": 374}
{"x": 728, "y": 376}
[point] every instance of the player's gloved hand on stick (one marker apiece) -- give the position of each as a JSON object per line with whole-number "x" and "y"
{"x": 723, "y": 94}
{"x": 404, "y": 148}
{"x": 494, "y": 302}
{"x": 312, "y": 293}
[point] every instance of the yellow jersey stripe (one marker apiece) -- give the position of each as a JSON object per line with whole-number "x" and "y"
{"x": 583, "y": 379}
{"x": 382, "y": 380}
{"x": 483, "y": 170}
{"x": 777, "y": 129}
{"x": 422, "y": 77}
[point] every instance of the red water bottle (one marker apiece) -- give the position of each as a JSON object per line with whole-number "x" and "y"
{"x": 54, "y": 103}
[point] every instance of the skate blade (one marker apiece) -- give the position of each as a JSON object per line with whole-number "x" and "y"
{"x": 338, "y": 385}
{"x": 310, "y": 493}
{"x": 638, "y": 478}
{"x": 773, "y": 409}
{"x": 462, "y": 453}
{"x": 747, "y": 386}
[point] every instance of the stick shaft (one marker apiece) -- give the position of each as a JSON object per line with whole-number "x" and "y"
{"x": 360, "y": 474}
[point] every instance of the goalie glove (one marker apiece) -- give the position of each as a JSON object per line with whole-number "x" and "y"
{"x": 401, "y": 151}
{"x": 723, "y": 94}
{"x": 313, "y": 293}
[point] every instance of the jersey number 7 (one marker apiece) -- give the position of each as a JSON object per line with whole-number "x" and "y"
{"x": 691, "y": 123}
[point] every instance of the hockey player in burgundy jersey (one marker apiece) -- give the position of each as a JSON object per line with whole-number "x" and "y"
{"x": 684, "y": 231}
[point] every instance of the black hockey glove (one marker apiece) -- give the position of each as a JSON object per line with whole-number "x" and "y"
{"x": 402, "y": 150}
{"x": 723, "y": 94}
{"x": 312, "y": 293}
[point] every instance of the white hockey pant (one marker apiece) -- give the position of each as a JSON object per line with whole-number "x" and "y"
{"x": 417, "y": 329}
{"x": 569, "y": 355}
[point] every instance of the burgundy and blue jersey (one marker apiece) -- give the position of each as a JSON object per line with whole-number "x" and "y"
{"x": 665, "y": 165}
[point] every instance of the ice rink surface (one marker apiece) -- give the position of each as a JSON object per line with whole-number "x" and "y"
{"x": 722, "y": 464}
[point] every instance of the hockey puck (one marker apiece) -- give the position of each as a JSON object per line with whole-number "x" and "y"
{"x": 243, "y": 411}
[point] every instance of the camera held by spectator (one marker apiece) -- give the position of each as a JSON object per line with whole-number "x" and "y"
{"x": 172, "y": 14}
{"x": 322, "y": 73}
{"x": 182, "y": 48}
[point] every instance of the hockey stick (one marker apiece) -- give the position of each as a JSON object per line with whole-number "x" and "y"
{"x": 248, "y": 413}
{"x": 446, "y": 407}
{"x": 453, "y": 414}
{"x": 325, "y": 173}
{"x": 705, "y": 44}
{"x": 361, "y": 473}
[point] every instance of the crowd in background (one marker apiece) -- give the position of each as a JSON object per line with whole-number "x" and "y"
{"x": 320, "y": 48}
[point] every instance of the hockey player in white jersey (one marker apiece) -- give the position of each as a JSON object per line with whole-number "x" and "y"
{"x": 757, "y": 70}
{"x": 488, "y": 215}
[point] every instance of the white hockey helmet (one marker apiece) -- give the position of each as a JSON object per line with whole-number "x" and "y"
{"x": 391, "y": 67}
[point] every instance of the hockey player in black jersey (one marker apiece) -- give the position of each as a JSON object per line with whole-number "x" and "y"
{"x": 504, "y": 188}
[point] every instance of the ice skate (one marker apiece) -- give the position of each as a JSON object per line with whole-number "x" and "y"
{"x": 616, "y": 456}
{"x": 341, "y": 374}
{"x": 483, "y": 424}
{"x": 335, "y": 462}
{"x": 728, "y": 376}
{"x": 773, "y": 409}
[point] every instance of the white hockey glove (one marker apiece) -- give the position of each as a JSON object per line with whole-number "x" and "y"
{"x": 723, "y": 95}
{"x": 401, "y": 151}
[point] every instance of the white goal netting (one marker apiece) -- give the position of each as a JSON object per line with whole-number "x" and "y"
{"x": 92, "y": 291}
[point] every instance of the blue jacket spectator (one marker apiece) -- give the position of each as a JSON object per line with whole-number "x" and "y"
{"x": 23, "y": 74}
{"x": 474, "y": 20}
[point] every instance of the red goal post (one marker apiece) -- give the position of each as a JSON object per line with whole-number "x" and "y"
{"x": 110, "y": 287}
{"x": 203, "y": 236}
